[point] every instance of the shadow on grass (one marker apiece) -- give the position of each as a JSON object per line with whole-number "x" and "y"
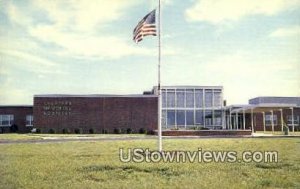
{"x": 273, "y": 166}
{"x": 167, "y": 172}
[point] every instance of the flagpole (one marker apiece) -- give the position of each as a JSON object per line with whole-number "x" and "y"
{"x": 159, "y": 87}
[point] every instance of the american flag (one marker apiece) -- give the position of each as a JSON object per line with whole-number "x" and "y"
{"x": 145, "y": 27}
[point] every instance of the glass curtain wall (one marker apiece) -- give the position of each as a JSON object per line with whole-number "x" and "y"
{"x": 184, "y": 108}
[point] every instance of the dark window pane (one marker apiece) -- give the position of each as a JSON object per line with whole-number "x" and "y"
{"x": 180, "y": 116}
{"x": 218, "y": 117}
{"x": 190, "y": 117}
{"x": 208, "y": 118}
{"x": 199, "y": 117}
{"x": 171, "y": 117}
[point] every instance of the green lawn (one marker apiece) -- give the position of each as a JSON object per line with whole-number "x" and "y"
{"x": 96, "y": 165}
{"x": 21, "y": 137}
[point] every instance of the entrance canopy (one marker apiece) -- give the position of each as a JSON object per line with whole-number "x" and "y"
{"x": 259, "y": 108}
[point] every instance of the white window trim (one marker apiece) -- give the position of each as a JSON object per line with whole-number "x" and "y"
{"x": 30, "y": 121}
{"x": 270, "y": 124}
{"x": 296, "y": 121}
{"x": 10, "y": 122}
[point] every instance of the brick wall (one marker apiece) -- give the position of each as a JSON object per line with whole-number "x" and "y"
{"x": 19, "y": 113}
{"x": 97, "y": 113}
{"x": 258, "y": 120}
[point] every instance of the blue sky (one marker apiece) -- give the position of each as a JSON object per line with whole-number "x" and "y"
{"x": 250, "y": 47}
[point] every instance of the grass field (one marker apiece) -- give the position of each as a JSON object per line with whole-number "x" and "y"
{"x": 26, "y": 137}
{"x": 96, "y": 164}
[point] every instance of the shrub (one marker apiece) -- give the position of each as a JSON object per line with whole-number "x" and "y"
{"x": 78, "y": 131}
{"x": 203, "y": 128}
{"x": 66, "y": 131}
{"x": 104, "y": 131}
{"x": 150, "y": 132}
{"x": 142, "y": 131}
{"x": 91, "y": 131}
{"x": 14, "y": 128}
{"x": 129, "y": 131}
{"x": 117, "y": 131}
{"x": 52, "y": 131}
{"x": 38, "y": 130}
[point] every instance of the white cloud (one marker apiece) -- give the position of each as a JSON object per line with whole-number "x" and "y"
{"x": 220, "y": 11}
{"x": 73, "y": 25}
{"x": 287, "y": 32}
{"x": 29, "y": 57}
{"x": 17, "y": 15}
{"x": 83, "y": 15}
{"x": 89, "y": 46}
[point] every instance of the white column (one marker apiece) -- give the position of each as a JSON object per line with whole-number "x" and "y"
{"x": 213, "y": 109}
{"x": 252, "y": 121}
{"x": 281, "y": 119}
{"x": 237, "y": 120}
{"x": 293, "y": 125}
{"x": 244, "y": 120}
{"x": 176, "y": 126}
{"x": 204, "y": 106}
{"x": 264, "y": 121}
{"x": 272, "y": 120}
{"x": 230, "y": 124}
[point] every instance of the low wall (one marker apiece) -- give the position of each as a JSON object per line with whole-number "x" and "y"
{"x": 205, "y": 132}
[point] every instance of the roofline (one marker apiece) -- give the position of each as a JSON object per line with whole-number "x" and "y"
{"x": 190, "y": 86}
{"x": 16, "y": 106}
{"x": 275, "y": 97}
{"x": 253, "y": 106}
{"x": 93, "y": 96}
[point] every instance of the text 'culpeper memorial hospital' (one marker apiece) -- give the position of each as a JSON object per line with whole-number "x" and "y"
{"x": 184, "y": 108}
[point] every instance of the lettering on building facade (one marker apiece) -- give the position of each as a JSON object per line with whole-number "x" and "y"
{"x": 57, "y": 108}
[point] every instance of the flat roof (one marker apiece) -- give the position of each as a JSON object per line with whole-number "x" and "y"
{"x": 261, "y": 107}
{"x": 275, "y": 99}
{"x": 189, "y": 87}
{"x": 16, "y": 106}
{"x": 93, "y": 96}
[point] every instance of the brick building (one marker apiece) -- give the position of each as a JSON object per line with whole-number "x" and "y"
{"x": 183, "y": 108}
{"x": 264, "y": 114}
{"x": 95, "y": 113}
{"x": 16, "y": 119}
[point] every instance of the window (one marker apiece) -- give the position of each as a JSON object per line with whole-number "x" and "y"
{"x": 268, "y": 120}
{"x": 171, "y": 98}
{"x": 180, "y": 117}
{"x": 208, "y": 98}
{"x": 189, "y": 98}
{"x": 170, "y": 117}
{"x": 189, "y": 117}
{"x": 218, "y": 117}
{"x": 180, "y": 96}
{"x": 163, "y": 100}
{"x": 199, "y": 117}
{"x": 164, "y": 118}
{"x": 199, "y": 98}
{"x": 290, "y": 120}
{"x": 217, "y": 98}
{"x": 29, "y": 120}
{"x": 208, "y": 118}
{"x": 6, "y": 120}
